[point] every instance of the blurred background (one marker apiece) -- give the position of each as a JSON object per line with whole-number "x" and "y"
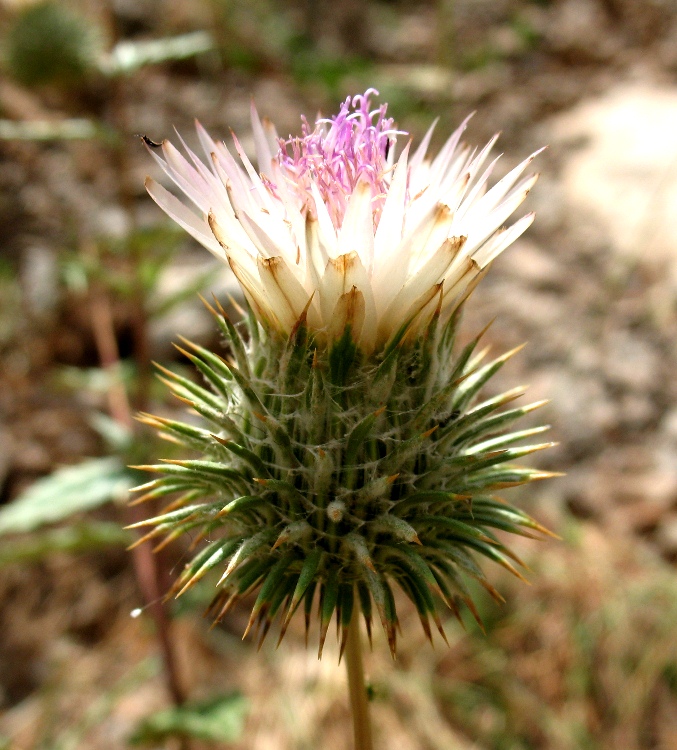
{"x": 96, "y": 283}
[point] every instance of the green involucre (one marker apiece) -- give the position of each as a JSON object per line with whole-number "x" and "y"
{"x": 323, "y": 471}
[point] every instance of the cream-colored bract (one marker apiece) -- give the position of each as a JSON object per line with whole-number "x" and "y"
{"x": 334, "y": 225}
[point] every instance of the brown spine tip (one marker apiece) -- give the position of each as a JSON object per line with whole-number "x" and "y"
{"x": 438, "y": 624}
{"x": 307, "y": 623}
{"x": 392, "y": 640}
{"x": 266, "y": 627}
{"x": 367, "y": 622}
{"x": 343, "y": 643}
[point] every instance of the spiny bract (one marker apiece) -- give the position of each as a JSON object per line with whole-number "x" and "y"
{"x": 330, "y": 476}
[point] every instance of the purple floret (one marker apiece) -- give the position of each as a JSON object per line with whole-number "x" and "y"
{"x": 356, "y": 143}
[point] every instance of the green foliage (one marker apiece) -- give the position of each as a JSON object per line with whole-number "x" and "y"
{"x": 324, "y": 471}
{"x": 119, "y": 439}
{"x": 50, "y": 43}
{"x": 70, "y": 490}
{"x": 217, "y": 719}
{"x": 310, "y": 65}
{"x": 127, "y": 57}
{"x": 78, "y": 537}
{"x": 258, "y": 34}
{"x": 93, "y": 379}
{"x": 529, "y": 36}
{"x": 480, "y": 56}
{"x": 253, "y": 32}
{"x": 69, "y": 129}
{"x": 10, "y": 293}
{"x": 136, "y": 263}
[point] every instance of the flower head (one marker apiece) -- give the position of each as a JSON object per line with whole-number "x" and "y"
{"x": 337, "y": 466}
{"x": 335, "y": 227}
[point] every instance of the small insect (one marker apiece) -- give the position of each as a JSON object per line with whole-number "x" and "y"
{"x": 148, "y": 142}
{"x": 387, "y": 151}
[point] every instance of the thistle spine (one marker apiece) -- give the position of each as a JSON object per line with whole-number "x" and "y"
{"x": 325, "y": 470}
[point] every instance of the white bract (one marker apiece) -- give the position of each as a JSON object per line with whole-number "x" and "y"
{"x": 336, "y": 227}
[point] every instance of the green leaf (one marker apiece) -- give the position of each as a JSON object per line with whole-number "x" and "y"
{"x": 73, "y": 489}
{"x": 179, "y": 515}
{"x": 502, "y": 440}
{"x": 128, "y": 56}
{"x": 425, "y": 498}
{"x": 211, "y": 360}
{"x": 70, "y": 129}
{"x": 72, "y": 539}
{"x": 186, "y": 434}
{"x": 218, "y": 719}
{"x": 118, "y": 437}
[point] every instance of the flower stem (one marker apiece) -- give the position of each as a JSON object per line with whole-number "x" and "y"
{"x": 359, "y": 702}
{"x": 145, "y": 563}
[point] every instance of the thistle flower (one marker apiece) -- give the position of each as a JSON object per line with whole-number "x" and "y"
{"x": 336, "y": 226}
{"x": 346, "y": 448}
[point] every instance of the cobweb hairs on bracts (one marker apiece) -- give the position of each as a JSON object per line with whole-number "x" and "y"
{"x": 328, "y": 478}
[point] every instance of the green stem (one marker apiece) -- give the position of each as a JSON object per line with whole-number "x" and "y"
{"x": 359, "y": 702}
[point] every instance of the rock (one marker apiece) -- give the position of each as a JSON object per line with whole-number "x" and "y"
{"x": 644, "y": 21}
{"x": 533, "y": 265}
{"x": 618, "y": 176}
{"x": 580, "y": 31}
{"x": 669, "y": 425}
{"x": 633, "y": 488}
{"x": 582, "y": 409}
{"x": 666, "y": 537}
{"x": 6, "y": 449}
{"x": 630, "y": 361}
{"x": 112, "y": 222}
{"x": 546, "y": 200}
{"x": 190, "y": 318}
{"x": 667, "y": 49}
{"x": 636, "y": 411}
{"x": 401, "y": 36}
{"x": 40, "y": 280}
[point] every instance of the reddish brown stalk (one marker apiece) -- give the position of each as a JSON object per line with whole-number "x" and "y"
{"x": 145, "y": 563}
